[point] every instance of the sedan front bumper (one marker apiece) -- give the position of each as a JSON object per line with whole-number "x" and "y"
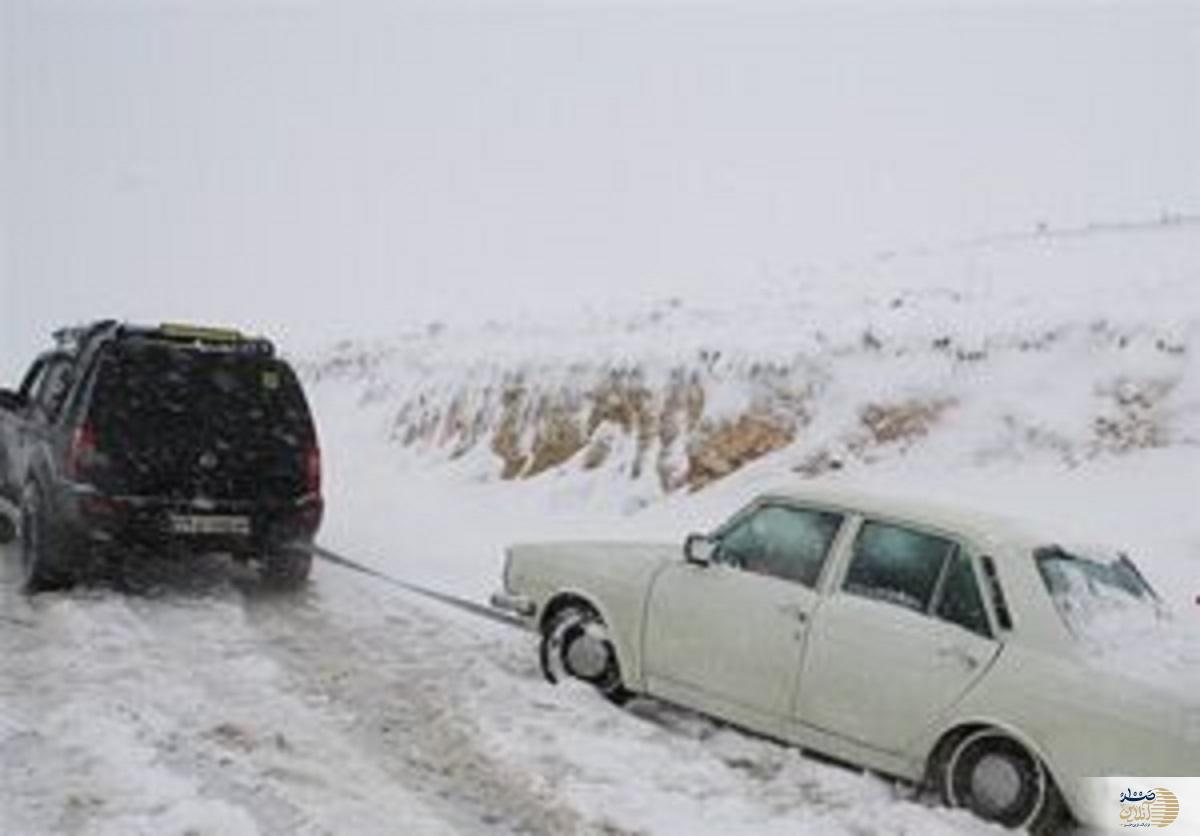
{"x": 518, "y": 605}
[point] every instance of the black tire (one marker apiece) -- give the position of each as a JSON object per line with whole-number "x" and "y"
{"x": 8, "y": 529}
{"x": 575, "y": 643}
{"x": 42, "y": 550}
{"x": 287, "y": 567}
{"x": 1000, "y": 781}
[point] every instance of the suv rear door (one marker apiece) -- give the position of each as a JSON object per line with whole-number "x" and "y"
{"x": 180, "y": 422}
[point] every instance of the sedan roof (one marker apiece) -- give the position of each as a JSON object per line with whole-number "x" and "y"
{"x": 983, "y": 526}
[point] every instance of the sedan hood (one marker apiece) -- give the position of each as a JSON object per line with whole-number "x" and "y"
{"x": 599, "y": 552}
{"x": 579, "y": 564}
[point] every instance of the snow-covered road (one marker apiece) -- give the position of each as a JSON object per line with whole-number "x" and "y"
{"x": 214, "y": 708}
{"x": 204, "y": 710}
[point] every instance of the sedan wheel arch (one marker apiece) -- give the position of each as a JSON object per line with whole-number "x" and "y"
{"x": 566, "y": 601}
{"x": 944, "y": 761}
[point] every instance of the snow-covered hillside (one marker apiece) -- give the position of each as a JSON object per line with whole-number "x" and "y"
{"x": 1064, "y": 347}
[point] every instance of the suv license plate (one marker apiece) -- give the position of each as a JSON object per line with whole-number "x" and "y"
{"x": 208, "y": 524}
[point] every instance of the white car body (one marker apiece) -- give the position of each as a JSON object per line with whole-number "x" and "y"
{"x": 858, "y": 678}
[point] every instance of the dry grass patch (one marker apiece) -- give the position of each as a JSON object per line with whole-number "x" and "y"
{"x": 734, "y": 445}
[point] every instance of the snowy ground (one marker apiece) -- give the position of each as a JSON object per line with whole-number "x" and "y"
{"x": 214, "y": 708}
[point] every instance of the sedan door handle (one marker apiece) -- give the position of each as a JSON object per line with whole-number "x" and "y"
{"x": 960, "y": 655}
{"x": 794, "y": 611}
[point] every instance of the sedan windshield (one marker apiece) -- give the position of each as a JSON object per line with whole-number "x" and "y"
{"x": 1097, "y": 594}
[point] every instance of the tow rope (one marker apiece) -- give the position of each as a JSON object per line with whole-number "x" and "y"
{"x": 464, "y": 604}
{"x": 473, "y": 607}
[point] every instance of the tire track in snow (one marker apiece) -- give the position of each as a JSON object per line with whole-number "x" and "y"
{"x": 394, "y": 675}
{"x": 127, "y": 715}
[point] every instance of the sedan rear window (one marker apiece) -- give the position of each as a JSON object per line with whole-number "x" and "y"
{"x": 1092, "y": 589}
{"x": 960, "y": 601}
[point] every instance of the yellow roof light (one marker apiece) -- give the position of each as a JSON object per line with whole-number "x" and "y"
{"x": 199, "y": 332}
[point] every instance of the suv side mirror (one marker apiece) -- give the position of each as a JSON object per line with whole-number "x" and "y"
{"x": 11, "y": 401}
{"x": 699, "y": 549}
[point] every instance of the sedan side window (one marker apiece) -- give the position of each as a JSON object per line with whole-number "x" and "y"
{"x": 897, "y": 565}
{"x": 32, "y": 379}
{"x": 960, "y": 600}
{"x": 52, "y": 389}
{"x": 780, "y": 541}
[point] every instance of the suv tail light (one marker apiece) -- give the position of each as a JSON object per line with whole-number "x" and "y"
{"x": 312, "y": 469}
{"x": 82, "y": 452}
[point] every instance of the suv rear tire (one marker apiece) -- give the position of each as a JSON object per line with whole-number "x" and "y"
{"x": 40, "y": 545}
{"x": 8, "y": 529}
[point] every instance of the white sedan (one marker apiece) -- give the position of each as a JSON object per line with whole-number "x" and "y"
{"x": 926, "y": 643}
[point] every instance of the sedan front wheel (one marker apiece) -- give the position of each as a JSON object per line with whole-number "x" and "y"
{"x": 576, "y": 644}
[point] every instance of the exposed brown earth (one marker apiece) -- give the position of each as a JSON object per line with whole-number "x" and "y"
{"x": 664, "y": 427}
{"x": 533, "y": 428}
{"x": 902, "y": 422}
{"x": 898, "y": 424}
{"x": 686, "y": 426}
{"x": 731, "y": 446}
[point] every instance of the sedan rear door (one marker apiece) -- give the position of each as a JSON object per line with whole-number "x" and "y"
{"x": 902, "y": 639}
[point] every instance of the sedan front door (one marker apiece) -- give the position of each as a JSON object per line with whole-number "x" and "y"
{"x": 728, "y": 637}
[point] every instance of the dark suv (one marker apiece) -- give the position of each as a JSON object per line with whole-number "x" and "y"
{"x": 174, "y": 438}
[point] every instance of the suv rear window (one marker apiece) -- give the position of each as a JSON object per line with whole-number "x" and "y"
{"x": 159, "y": 409}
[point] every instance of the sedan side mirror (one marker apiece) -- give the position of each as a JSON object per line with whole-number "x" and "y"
{"x": 10, "y": 401}
{"x": 699, "y": 549}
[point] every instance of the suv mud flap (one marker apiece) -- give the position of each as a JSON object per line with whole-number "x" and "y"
{"x": 9, "y": 515}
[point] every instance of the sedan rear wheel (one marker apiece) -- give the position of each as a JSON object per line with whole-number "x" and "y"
{"x": 999, "y": 780}
{"x": 576, "y": 644}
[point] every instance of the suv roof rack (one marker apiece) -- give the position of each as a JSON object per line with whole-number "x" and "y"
{"x": 73, "y": 338}
{"x": 200, "y": 336}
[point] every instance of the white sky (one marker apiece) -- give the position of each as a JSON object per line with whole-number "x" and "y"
{"x": 317, "y": 170}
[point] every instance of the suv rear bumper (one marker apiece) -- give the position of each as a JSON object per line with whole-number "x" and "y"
{"x": 95, "y": 519}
